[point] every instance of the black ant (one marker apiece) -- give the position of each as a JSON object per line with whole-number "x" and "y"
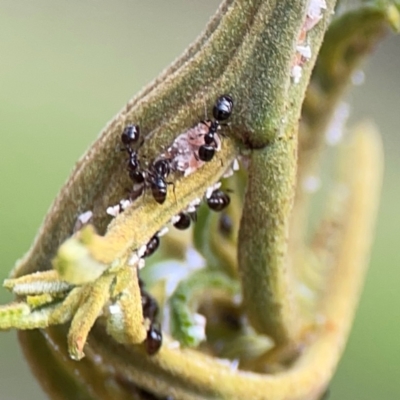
{"x": 151, "y": 246}
{"x": 156, "y": 176}
{"x": 130, "y": 136}
{"x": 134, "y": 169}
{"x": 184, "y": 221}
{"x": 131, "y": 140}
{"x": 157, "y": 173}
{"x": 150, "y": 310}
{"x": 153, "y": 340}
{"x": 222, "y": 111}
{"x": 218, "y": 200}
{"x": 149, "y": 306}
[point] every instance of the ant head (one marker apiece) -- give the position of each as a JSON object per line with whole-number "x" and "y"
{"x": 223, "y": 108}
{"x": 130, "y": 134}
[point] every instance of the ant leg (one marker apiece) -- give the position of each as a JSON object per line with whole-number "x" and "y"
{"x": 141, "y": 142}
{"x": 119, "y": 148}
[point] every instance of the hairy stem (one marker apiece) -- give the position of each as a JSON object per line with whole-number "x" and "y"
{"x": 189, "y": 375}
{"x": 349, "y": 40}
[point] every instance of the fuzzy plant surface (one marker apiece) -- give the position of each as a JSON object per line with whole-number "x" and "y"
{"x": 240, "y": 299}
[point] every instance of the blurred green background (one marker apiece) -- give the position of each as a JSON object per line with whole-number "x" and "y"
{"x": 67, "y": 67}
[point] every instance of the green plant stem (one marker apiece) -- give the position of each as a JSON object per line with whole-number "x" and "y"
{"x": 186, "y": 299}
{"x": 263, "y": 262}
{"x": 263, "y": 241}
{"x": 349, "y": 40}
{"x": 186, "y": 374}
